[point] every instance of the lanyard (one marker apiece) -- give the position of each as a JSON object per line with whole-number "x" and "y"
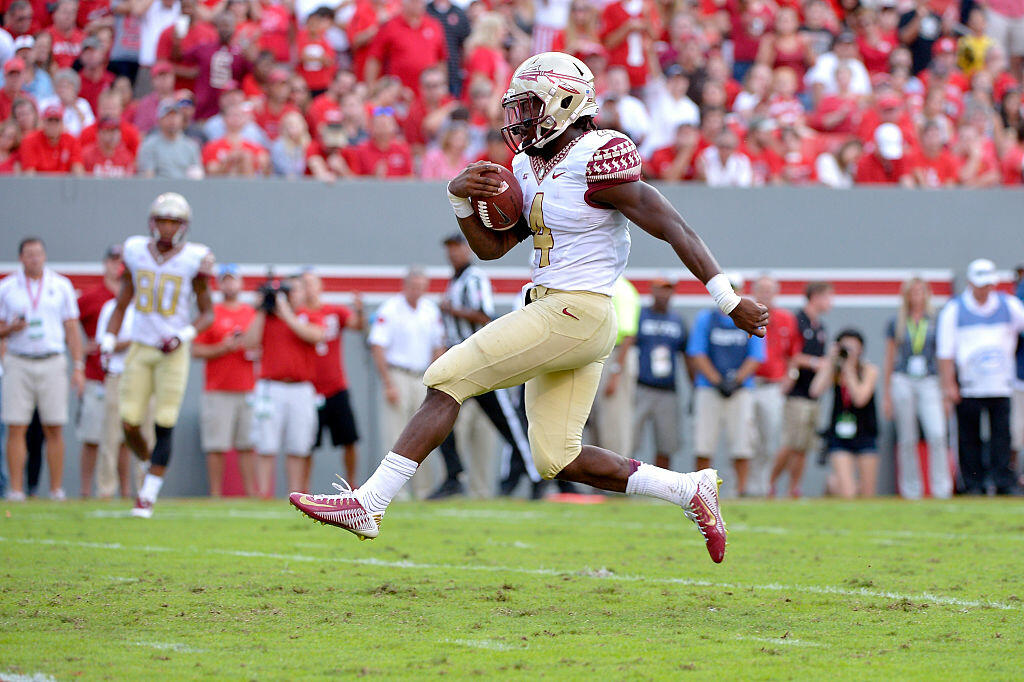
{"x": 33, "y": 301}
{"x": 918, "y": 336}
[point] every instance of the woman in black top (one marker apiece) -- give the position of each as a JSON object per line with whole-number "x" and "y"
{"x": 852, "y": 438}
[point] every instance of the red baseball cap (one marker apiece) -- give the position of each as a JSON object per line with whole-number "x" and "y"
{"x": 14, "y": 64}
{"x": 944, "y": 46}
{"x": 53, "y": 111}
{"x": 889, "y": 102}
{"x": 161, "y": 68}
{"x": 333, "y": 117}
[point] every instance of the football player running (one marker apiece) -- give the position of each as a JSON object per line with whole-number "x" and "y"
{"x": 581, "y": 187}
{"x": 161, "y": 273}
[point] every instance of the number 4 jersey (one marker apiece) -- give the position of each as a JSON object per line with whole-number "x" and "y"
{"x": 579, "y": 244}
{"x": 163, "y": 290}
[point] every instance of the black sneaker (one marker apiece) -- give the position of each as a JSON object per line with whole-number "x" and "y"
{"x": 449, "y": 488}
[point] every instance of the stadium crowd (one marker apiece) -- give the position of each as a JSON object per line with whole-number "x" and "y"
{"x": 274, "y": 383}
{"x": 919, "y": 93}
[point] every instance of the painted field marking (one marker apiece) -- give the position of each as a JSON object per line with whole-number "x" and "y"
{"x": 785, "y": 641}
{"x": 171, "y": 646}
{"x": 488, "y": 644}
{"x": 20, "y": 677}
{"x": 599, "y": 574}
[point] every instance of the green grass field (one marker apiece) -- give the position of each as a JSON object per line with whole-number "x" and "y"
{"x": 514, "y": 590}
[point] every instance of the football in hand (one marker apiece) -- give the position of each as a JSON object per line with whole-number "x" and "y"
{"x": 501, "y": 211}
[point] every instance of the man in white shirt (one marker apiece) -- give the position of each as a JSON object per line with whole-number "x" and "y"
{"x": 669, "y": 108}
{"x": 975, "y": 345}
{"x": 722, "y": 165}
{"x": 822, "y": 76}
{"x": 39, "y": 322}
{"x": 154, "y": 17}
{"x": 633, "y": 117}
{"x": 406, "y": 336}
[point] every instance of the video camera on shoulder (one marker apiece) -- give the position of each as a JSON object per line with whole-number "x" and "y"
{"x": 269, "y": 290}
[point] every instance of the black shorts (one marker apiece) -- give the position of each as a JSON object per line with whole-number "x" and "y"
{"x": 336, "y": 416}
{"x": 858, "y": 445}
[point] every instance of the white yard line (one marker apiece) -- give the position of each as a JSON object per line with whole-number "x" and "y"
{"x": 599, "y": 574}
{"x": 171, "y": 646}
{"x": 488, "y": 644}
{"x": 20, "y": 677}
{"x": 785, "y": 641}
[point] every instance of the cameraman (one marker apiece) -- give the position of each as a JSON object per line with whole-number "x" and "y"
{"x": 851, "y": 439}
{"x": 724, "y": 359}
{"x": 285, "y": 401}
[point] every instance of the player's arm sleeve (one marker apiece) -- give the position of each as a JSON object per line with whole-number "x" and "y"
{"x": 945, "y": 333}
{"x": 615, "y": 163}
{"x": 698, "y": 341}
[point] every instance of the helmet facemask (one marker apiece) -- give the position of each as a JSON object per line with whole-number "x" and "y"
{"x": 525, "y": 122}
{"x": 177, "y": 238}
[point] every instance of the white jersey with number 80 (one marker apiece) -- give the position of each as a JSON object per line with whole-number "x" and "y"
{"x": 163, "y": 290}
{"x": 579, "y": 244}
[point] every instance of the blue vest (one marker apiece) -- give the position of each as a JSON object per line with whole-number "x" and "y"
{"x": 715, "y": 335}
{"x": 659, "y": 340}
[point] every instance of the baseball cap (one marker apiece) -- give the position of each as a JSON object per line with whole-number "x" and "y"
{"x": 24, "y": 42}
{"x": 14, "y": 64}
{"x": 944, "y": 46}
{"x": 889, "y": 139}
{"x": 91, "y": 42}
{"x": 227, "y": 270}
{"x": 662, "y": 279}
{"x": 108, "y": 123}
{"x": 673, "y": 70}
{"x": 113, "y": 251}
{"x": 167, "y": 106}
{"x": 160, "y": 68}
{"x": 982, "y": 272}
{"x": 454, "y": 238}
{"x": 333, "y": 117}
{"x": 54, "y": 110}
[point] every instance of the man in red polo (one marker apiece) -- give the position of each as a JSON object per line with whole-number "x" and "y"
{"x": 406, "y": 45}
{"x": 50, "y": 149}
{"x": 934, "y": 165}
{"x": 109, "y": 156}
{"x": 94, "y": 74}
{"x": 110, "y": 106}
{"x": 14, "y": 80}
{"x": 275, "y": 104}
{"x": 385, "y": 154}
{"x": 888, "y": 164}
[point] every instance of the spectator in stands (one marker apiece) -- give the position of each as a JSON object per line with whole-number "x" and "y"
{"x": 457, "y": 28}
{"x": 385, "y": 154}
{"x": 37, "y": 81}
{"x": 233, "y": 154}
{"x": 874, "y": 42}
{"x": 800, "y": 412}
{"x": 852, "y": 436}
{"x": 124, "y": 49}
{"x": 977, "y": 165}
{"x": 676, "y": 163}
{"x": 632, "y": 116}
{"x": 610, "y": 424}
{"x": 90, "y": 415}
{"x": 18, "y": 20}
{"x": 785, "y": 45}
{"x": 756, "y": 87}
{"x": 94, "y": 75}
{"x": 934, "y": 166}
{"x": 109, "y": 156}
{"x": 10, "y": 159}
{"x": 723, "y": 165}
{"x": 110, "y": 107}
{"x": 344, "y": 82}
{"x": 771, "y": 382}
{"x": 78, "y": 115}
{"x": 838, "y": 112}
{"x": 316, "y": 58}
{"x": 225, "y": 416}
{"x": 1005, "y": 25}
{"x": 406, "y": 45}
{"x": 42, "y": 55}
{"x": 669, "y": 108}
{"x": 288, "y": 152}
{"x": 145, "y": 117}
{"x": 25, "y": 116}
{"x": 724, "y": 359}
{"x": 167, "y": 153}
{"x": 275, "y": 103}
{"x": 484, "y": 54}
{"x": 327, "y": 158}
{"x": 889, "y": 162}
{"x": 821, "y": 78}
{"x": 430, "y": 109}
{"x": 448, "y": 159}
{"x": 763, "y": 149}
{"x": 977, "y": 337}
{"x": 920, "y": 28}
{"x": 628, "y": 31}
{"x": 285, "y": 402}
{"x": 39, "y": 324}
{"x": 67, "y": 38}
{"x": 912, "y": 394}
{"x": 971, "y": 49}
{"x": 330, "y": 381}
{"x": 154, "y": 16}
{"x": 221, "y": 66}
{"x": 50, "y": 149}
{"x": 797, "y": 162}
{"x": 14, "y": 79}
{"x": 660, "y": 341}
{"x": 216, "y": 127}
{"x": 405, "y": 337}
{"x": 838, "y": 169}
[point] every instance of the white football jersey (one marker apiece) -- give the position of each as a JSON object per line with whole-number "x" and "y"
{"x": 578, "y": 245}
{"x": 163, "y": 290}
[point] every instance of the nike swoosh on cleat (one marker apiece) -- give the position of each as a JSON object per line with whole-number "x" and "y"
{"x": 565, "y": 311}
{"x": 312, "y": 503}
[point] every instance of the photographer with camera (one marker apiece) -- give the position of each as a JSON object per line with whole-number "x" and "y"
{"x": 851, "y": 441}
{"x": 284, "y": 414}
{"x": 724, "y": 359}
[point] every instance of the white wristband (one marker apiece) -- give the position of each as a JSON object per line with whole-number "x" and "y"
{"x": 107, "y": 343}
{"x": 721, "y": 290}
{"x": 187, "y": 334}
{"x": 462, "y": 206}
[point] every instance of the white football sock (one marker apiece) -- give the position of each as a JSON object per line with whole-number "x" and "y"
{"x": 670, "y": 486}
{"x": 387, "y": 480}
{"x": 151, "y": 487}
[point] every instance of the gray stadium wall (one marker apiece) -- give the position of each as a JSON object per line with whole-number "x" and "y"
{"x": 387, "y": 225}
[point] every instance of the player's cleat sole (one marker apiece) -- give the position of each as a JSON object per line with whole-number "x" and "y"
{"x": 705, "y": 511}
{"x": 142, "y": 509}
{"x": 340, "y": 511}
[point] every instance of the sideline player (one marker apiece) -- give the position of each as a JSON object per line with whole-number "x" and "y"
{"x": 161, "y": 272}
{"x": 581, "y": 186}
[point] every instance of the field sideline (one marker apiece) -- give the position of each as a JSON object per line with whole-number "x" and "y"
{"x": 513, "y": 590}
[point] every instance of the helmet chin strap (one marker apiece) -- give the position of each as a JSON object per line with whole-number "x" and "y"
{"x": 167, "y": 244}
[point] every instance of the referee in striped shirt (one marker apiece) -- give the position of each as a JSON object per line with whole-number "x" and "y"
{"x": 468, "y": 305}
